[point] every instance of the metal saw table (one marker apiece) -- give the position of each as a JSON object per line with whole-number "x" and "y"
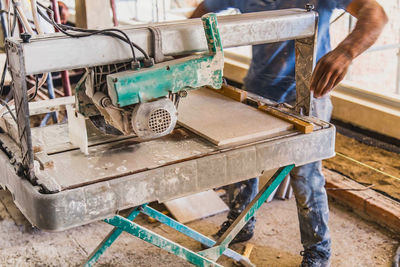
{"x": 57, "y": 187}
{"x": 118, "y": 174}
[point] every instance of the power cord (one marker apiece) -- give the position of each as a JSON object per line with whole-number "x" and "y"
{"x": 36, "y": 88}
{"x": 87, "y": 32}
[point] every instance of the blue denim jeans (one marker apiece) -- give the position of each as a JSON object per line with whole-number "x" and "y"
{"x": 308, "y": 186}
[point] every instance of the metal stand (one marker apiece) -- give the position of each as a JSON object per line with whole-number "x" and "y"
{"x": 206, "y": 257}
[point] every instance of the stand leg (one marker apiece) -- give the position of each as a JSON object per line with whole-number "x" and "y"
{"x": 162, "y": 218}
{"x": 204, "y": 258}
{"x": 108, "y": 240}
{"x": 222, "y": 243}
{"x": 159, "y": 241}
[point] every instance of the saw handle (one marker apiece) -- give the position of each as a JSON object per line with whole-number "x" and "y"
{"x": 210, "y": 25}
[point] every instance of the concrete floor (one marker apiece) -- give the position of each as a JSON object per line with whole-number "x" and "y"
{"x": 277, "y": 241}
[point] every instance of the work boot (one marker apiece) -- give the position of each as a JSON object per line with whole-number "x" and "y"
{"x": 245, "y": 234}
{"x": 312, "y": 258}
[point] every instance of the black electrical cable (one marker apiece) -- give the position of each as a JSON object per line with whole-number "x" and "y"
{"x": 3, "y": 77}
{"x": 117, "y": 30}
{"x": 9, "y": 109}
{"x": 107, "y": 32}
{"x": 104, "y": 32}
{"x": 36, "y": 88}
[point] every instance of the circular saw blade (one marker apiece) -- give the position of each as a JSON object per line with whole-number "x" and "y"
{"x": 100, "y": 123}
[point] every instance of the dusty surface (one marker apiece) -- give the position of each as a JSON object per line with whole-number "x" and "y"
{"x": 277, "y": 241}
{"x": 384, "y": 161}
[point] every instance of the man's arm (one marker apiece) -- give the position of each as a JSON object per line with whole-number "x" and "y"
{"x": 332, "y": 68}
{"x": 199, "y": 11}
{"x": 215, "y": 6}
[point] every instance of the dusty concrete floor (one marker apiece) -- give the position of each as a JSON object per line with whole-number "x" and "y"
{"x": 277, "y": 241}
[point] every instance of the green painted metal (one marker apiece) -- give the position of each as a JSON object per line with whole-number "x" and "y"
{"x": 222, "y": 243}
{"x": 162, "y": 218}
{"x": 132, "y": 87}
{"x": 203, "y": 258}
{"x": 108, "y": 240}
{"x": 159, "y": 241}
{"x": 177, "y": 226}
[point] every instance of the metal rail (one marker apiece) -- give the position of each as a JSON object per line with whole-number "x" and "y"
{"x": 41, "y": 54}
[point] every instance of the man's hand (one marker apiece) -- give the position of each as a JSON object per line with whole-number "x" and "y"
{"x": 332, "y": 68}
{"x": 329, "y": 71}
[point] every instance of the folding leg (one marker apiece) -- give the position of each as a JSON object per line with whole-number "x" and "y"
{"x": 222, "y": 243}
{"x": 159, "y": 241}
{"x": 108, "y": 240}
{"x": 193, "y": 234}
{"x": 203, "y": 258}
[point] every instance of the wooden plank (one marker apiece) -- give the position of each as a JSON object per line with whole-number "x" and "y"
{"x": 9, "y": 126}
{"x": 50, "y": 105}
{"x": 197, "y": 206}
{"x": 235, "y": 70}
{"x": 224, "y": 121}
{"x": 300, "y": 125}
{"x": 367, "y": 203}
{"x": 8, "y": 79}
{"x": 93, "y": 14}
{"x": 289, "y": 192}
{"x": 44, "y": 160}
{"x": 231, "y": 92}
{"x": 283, "y": 188}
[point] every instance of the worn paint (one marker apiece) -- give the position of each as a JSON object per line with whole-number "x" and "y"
{"x": 159, "y": 241}
{"x": 222, "y": 244}
{"x": 132, "y": 87}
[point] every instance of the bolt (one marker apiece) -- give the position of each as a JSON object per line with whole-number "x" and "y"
{"x": 148, "y": 62}
{"x": 183, "y": 93}
{"x": 105, "y": 102}
{"x": 309, "y": 7}
{"x": 135, "y": 65}
{"x": 25, "y": 37}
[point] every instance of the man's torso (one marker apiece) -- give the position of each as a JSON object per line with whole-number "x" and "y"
{"x": 271, "y": 73}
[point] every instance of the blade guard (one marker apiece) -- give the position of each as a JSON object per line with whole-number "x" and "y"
{"x": 132, "y": 87}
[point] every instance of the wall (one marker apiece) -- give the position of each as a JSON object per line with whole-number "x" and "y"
{"x": 375, "y": 71}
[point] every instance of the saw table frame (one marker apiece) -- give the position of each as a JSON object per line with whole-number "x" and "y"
{"x": 56, "y": 208}
{"x": 42, "y": 54}
{"x": 52, "y": 207}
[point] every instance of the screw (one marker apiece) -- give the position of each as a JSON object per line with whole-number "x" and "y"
{"x": 183, "y": 93}
{"x": 309, "y": 7}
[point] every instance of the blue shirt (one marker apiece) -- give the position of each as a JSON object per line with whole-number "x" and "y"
{"x": 271, "y": 73}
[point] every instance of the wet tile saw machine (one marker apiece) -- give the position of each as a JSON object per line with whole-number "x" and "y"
{"x": 130, "y": 158}
{"x": 144, "y": 101}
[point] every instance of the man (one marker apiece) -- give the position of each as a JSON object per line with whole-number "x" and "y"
{"x": 272, "y": 75}
{"x": 64, "y": 12}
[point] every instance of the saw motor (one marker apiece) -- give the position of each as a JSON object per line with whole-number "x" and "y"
{"x": 142, "y": 99}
